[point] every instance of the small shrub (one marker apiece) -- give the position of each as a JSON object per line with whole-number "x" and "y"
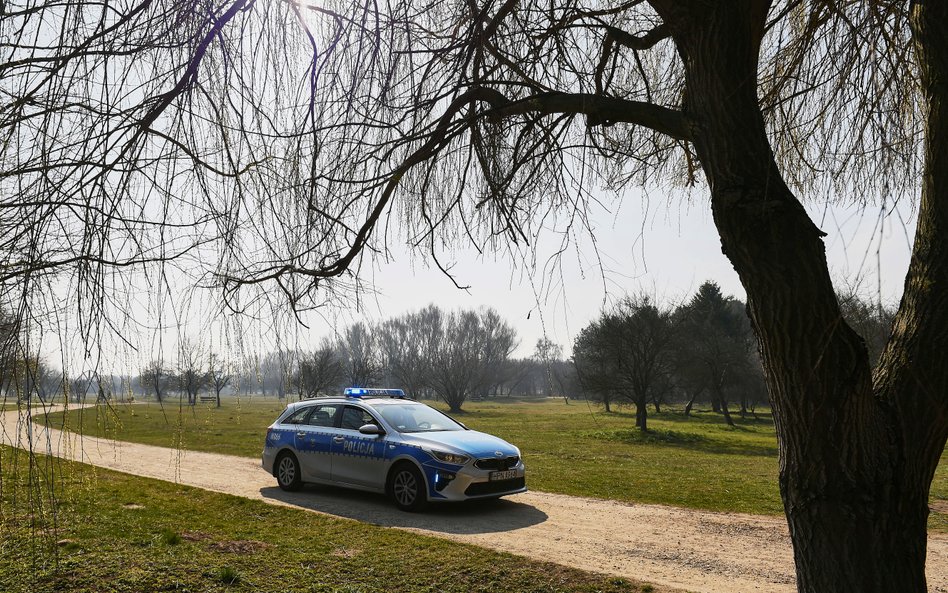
{"x": 169, "y": 537}
{"x": 228, "y": 575}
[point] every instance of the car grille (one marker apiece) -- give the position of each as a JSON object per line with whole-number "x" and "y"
{"x": 481, "y": 488}
{"x": 497, "y": 463}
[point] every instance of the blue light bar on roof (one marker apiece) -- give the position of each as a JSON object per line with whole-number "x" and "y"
{"x": 373, "y": 392}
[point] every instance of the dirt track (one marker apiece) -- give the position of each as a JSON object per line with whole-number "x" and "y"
{"x": 692, "y": 550}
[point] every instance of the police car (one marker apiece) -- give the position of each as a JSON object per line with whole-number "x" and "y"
{"x": 381, "y": 441}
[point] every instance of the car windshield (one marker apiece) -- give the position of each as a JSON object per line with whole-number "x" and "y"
{"x": 416, "y": 418}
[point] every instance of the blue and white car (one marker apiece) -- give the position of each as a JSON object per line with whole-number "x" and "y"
{"x": 380, "y": 441}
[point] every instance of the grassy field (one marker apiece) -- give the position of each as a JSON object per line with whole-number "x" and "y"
{"x": 111, "y": 533}
{"x": 576, "y": 448}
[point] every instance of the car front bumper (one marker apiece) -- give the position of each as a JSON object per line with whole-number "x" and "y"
{"x": 448, "y": 483}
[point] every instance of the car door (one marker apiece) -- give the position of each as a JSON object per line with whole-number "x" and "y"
{"x": 314, "y": 441}
{"x": 358, "y": 459}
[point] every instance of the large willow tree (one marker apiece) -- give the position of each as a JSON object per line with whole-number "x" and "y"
{"x": 261, "y": 145}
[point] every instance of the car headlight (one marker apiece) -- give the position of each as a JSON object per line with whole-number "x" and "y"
{"x": 450, "y": 457}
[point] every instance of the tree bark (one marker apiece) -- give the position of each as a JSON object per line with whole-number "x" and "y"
{"x": 715, "y": 405}
{"x": 691, "y": 403}
{"x": 641, "y": 413}
{"x": 725, "y": 412}
{"x": 454, "y": 400}
{"x": 855, "y": 468}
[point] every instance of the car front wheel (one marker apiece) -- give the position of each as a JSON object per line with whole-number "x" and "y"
{"x": 288, "y": 472}
{"x": 407, "y": 488}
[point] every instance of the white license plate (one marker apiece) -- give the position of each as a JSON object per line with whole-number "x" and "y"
{"x": 510, "y": 474}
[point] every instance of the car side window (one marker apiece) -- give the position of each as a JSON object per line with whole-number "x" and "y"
{"x": 298, "y": 417}
{"x": 354, "y": 418}
{"x": 323, "y": 416}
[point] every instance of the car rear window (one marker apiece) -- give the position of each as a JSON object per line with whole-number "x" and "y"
{"x": 323, "y": 415}
{"x": 297, "y": 417}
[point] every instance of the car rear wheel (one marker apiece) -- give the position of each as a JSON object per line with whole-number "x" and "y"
{"x": 407, "y": 488}
{"x": 288, "y": 472}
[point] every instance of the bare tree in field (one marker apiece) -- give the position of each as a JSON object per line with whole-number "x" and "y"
{"x": 549, "y": 355}
{"x": 497, "y": 340}
{"x": 79, "y": 386}
{"x": 266, "y": 147}
{"x": 360, "y": 355}
{"x": 406, "y": 343}
{"x": 320, "y": 370}
{"x": 156, "y": 377}
{"x": 522, "y": 377}
{"x": 49, "y": 381}
{"x": 469, "y": 348}
{"x": 272, "y": 372}
{"x": 219, "y": 376}
{"x": 192, "y": 377}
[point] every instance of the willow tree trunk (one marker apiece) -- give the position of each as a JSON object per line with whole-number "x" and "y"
{"x": 856, "y": 459}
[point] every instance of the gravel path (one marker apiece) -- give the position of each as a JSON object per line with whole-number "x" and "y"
{"x": 693, "y": 550}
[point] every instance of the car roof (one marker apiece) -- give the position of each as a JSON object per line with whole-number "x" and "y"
{"x": 372, "y": 401}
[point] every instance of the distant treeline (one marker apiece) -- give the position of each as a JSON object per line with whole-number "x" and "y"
{"x": 637, "y": 352}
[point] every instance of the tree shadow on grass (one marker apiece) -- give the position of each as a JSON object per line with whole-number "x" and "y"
{"x": 466, "y": 518}
{"x": 684, "y": 440}
{"x": 699, "y": 416}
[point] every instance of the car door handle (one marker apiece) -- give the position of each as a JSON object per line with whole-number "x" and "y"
{"x": 338, "y": 439}
{"x": 301, "y": 434}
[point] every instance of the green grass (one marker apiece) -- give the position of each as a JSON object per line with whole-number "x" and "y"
{"x": 576, "y": 448}
{"x": 110, "y": 533}
{"x": 237, "y": 428}
{"x": 698, "y": 462}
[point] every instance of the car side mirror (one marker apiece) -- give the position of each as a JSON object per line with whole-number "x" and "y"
{"x": 371, "y": 429}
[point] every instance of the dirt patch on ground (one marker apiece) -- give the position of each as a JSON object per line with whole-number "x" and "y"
{"x": 679, "y": 548}
{"x": 346, "y": 552}
{"x": 240, "y": 546}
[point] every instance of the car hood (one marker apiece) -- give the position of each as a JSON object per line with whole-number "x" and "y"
{"x": 469, "y": 442}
